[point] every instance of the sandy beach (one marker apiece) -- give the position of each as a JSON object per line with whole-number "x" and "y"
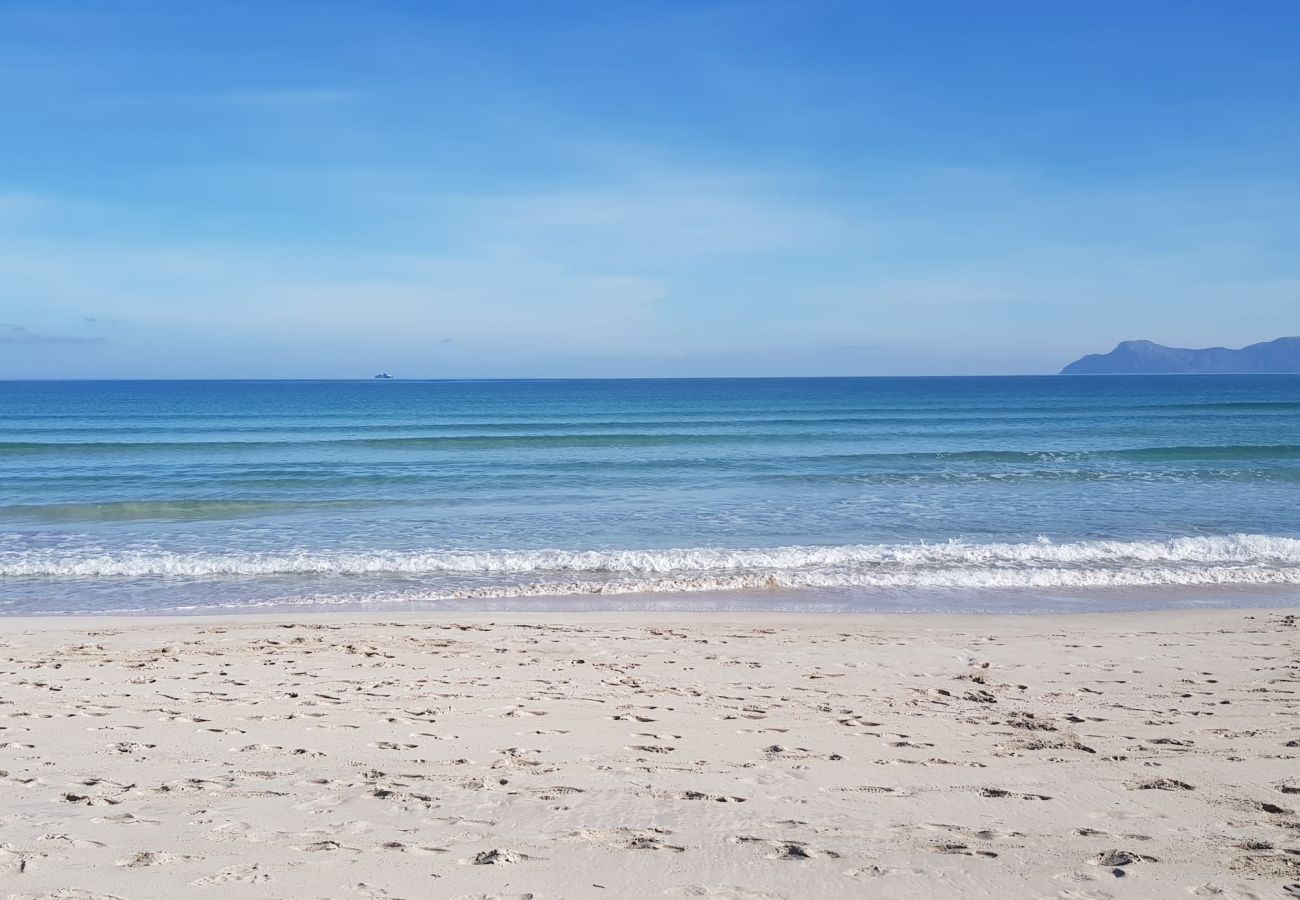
{"x": 624, "y": 755}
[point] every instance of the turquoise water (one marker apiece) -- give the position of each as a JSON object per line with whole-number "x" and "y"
{"x": 871, "y": 493}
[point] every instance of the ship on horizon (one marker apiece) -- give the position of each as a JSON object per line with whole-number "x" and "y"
{"x": 383, "y": 376}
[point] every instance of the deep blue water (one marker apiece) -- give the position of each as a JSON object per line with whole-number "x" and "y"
{"x": 167, "y": 495}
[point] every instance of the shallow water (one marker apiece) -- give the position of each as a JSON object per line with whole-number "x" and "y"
{"x": 872, "y": 493}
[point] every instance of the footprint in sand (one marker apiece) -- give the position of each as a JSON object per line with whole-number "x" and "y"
{"x": 962, "y": 850}
{"x": 1162, "y": 784}
{"x": 74, "y": 843}
{"x": 857, "y": 722}
{"x": 795, "y": 851}
{"x": 1113, "y": 858}
{"x": 247, "y": 874}
{"x": 700, "y": 795}
{"x": 418, "y": 851}
{"x": 649, "y": 842}
{"x": 325, "y": 846}
{"x": 131, "y": 746}
{"x": 876, "y": 871}
{"x": 124, "y": 819}
{"x": 999, "y": 792}
{"x": 144, "y": 858}
{"x": 85, "y": 800}
{"x": 495, "y": 857}
{"x": 1270, "y": 808}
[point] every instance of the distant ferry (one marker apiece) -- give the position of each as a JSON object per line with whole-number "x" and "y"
{"x": 384, "y": 376}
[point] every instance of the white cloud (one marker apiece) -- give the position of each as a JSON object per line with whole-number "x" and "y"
{"x": 666, "y": 264}
{"x": 665, "y": 219}
{"x": 12, "y": 335}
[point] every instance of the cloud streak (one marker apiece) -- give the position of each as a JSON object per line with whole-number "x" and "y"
{"x": 12, "y": 335}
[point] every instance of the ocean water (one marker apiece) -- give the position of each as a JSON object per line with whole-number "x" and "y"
{"x": 1023, "y": 493}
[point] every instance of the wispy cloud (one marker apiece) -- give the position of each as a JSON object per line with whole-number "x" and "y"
{"x": 677, "y": 216}
{"x": 275, "y": 97}
{"x": 12, "y": 335}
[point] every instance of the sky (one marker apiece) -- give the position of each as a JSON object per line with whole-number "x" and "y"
{"x": 523, "y": 189}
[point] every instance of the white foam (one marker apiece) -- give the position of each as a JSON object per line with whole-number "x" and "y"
{"x": 1203, "y": 560}
{"x": 1056, "y": 578}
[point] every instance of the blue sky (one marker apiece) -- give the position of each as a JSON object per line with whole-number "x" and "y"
{"x": 483, "y": 189}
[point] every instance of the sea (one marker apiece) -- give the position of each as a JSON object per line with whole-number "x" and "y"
{"x": 1008, "y": 494}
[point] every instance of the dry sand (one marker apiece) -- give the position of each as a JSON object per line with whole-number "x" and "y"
{"x": 1122, "y": 755}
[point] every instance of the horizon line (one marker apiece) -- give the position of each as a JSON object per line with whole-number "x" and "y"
{"x": 416, "y": 380}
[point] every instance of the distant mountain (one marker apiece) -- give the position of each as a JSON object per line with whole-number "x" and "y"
{"x": 1146, "y": 358}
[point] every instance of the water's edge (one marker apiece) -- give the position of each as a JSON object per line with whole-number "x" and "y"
{"x": 782, "y": 603}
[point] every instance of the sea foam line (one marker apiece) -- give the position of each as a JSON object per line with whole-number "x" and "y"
{"x": 1243, "y": 558}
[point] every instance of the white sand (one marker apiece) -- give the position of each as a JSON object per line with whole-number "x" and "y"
{"x": 1128, "y": 755}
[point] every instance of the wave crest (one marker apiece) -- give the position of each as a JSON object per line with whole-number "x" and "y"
{"x": 1204, "y": 560}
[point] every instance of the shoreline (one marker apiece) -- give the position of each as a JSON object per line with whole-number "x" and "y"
{"x": 725, "y": 755}
{"x": 781, "y": 602}
{"x": 924, "y": 621}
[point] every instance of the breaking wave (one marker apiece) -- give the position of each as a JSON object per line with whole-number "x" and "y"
{"x": 1241, "y": 559}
